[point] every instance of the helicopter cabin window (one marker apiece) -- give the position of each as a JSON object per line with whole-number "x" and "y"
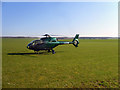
{"x": 38, "y": 41}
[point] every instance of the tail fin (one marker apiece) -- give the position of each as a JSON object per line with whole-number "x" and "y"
{"x": 76, "y": 41}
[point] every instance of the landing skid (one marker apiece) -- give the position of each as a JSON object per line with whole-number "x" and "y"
{"x": 49, "y": 51}
{"x": 36, "y": 52}
{"x": 53, "y": 52}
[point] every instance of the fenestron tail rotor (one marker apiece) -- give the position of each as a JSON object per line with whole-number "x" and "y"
{"x": 76, "y": 41}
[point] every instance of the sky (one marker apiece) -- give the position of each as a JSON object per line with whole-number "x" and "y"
{"x": 98, "y": 19}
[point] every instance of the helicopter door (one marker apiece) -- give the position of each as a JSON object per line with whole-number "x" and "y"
{"x": 41, "y": 45}
{"x": 39, "y": 42}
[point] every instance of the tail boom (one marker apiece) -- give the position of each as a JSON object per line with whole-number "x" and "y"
{"x": 75, "y": 41}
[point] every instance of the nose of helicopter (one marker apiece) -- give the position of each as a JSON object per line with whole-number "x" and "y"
{"x": 28, "y": 46}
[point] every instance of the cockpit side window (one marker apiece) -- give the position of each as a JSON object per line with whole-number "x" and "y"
{"x": 41, "y": 41}
{"x": 37, "y": 42}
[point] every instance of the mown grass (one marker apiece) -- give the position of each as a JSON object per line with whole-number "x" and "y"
{"x": 94, "y": 64}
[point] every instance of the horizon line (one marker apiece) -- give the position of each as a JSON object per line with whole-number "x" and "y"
{"x": 54, "y": 36}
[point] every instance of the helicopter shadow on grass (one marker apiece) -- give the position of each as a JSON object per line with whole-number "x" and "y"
{"x": 40, "y": 53}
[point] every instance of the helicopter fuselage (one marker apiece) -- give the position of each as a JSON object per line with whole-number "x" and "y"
{"x": 48, "y": 43}
{"x": 45, "y": 44}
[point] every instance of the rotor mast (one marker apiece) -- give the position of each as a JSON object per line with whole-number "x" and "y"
{"x": 46, "y": 35}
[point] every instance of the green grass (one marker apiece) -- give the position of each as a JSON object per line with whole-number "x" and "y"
{"x": 94, "y": 64}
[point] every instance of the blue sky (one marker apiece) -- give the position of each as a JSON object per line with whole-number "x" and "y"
{"x": 60, "y": 18}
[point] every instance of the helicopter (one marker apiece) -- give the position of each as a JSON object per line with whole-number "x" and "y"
{"x": 48, "y": 43}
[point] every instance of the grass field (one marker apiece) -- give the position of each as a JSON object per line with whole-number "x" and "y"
{"x": 94, "y": 64}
